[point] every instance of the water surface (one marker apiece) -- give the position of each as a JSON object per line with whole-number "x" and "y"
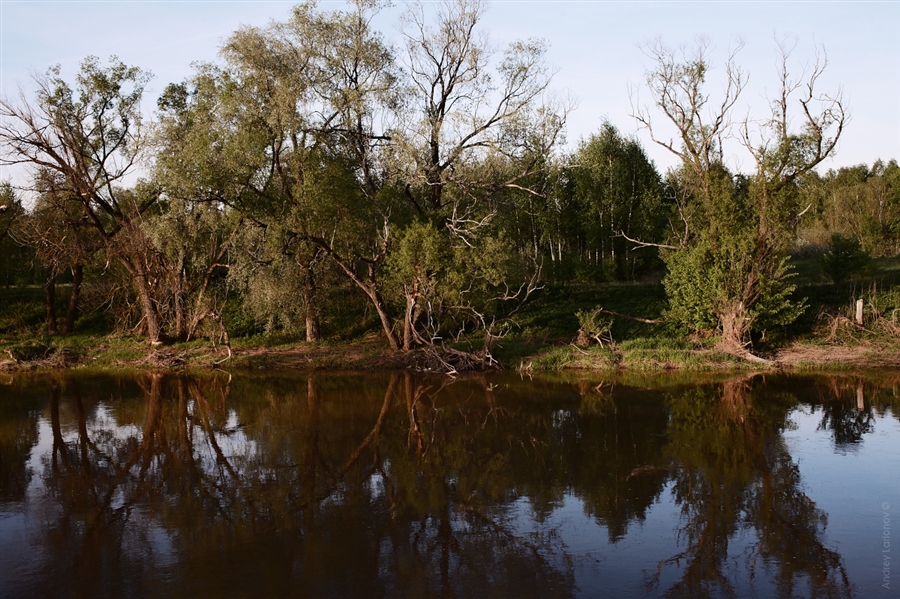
{"x": 398, "y": 485}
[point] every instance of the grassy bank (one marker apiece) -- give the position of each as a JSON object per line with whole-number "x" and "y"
{"x": 543, "y": 338}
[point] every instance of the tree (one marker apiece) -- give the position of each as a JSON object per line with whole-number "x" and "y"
{"x": 91, "y": 138}
{"x": 617, "y": 194}
{"x": 193, "y": 243}
{"x": 311, "y": 132}
{"x": 285, "y": 134}
{"x": 863, "y": 203}
{"x": 62, "y": 240}
{"x": 10, "y": 208}
{"x": 729, "y": 263}
{"x": 476, "y": 135}
{"x": 844, "y": 258}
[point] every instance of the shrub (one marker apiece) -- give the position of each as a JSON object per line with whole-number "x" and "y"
{"x": 845, "y": 258}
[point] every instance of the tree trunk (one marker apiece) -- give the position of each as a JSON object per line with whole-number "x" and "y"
{"x": 313, "y": 332}
{"x": 369, "y": 288}
{"x": 409, "y": 316}
{"x": 75, "y": 298}
{"x": 148, "y": 307}
{"x": 734, "y": 328}
{"x": 181, "y": 332}
{"x": 313, "y": 329}
{"x": 50, "y": 301}
{"x": 381, "y": 308}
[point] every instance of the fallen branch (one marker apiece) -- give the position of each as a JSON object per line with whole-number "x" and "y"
{"x": 634, "y": 318}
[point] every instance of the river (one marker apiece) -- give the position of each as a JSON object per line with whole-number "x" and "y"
{"x": 403, "y": 485}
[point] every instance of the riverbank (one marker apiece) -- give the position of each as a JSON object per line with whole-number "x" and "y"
{"x": 372, "y": 353}
{"x": 544, "y": 337}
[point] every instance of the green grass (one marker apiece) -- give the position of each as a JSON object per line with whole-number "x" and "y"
{"x": 22, "y": 309}
{"x": 564, "y": 357}
{"x": 879, "y": 288}
{"x": 680, "y": 359}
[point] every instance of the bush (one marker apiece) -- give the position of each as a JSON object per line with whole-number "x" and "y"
{"x": 844, "y": 259}
{"x": 594, "y": 328}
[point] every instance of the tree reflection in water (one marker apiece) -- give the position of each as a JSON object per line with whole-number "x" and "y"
{"x": 733, "y": 473}
{"x": 405, "y": 485}
{"x": 844, "y": 411}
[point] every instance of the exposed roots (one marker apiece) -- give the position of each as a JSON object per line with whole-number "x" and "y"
{"x": 743, "y": 352}
{"x": 447, "y": 360}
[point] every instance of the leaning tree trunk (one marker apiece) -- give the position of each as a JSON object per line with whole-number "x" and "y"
{"x": 75, "y": 298}
{"x": 369, "y": 288}
{"x": 381, "y": 309}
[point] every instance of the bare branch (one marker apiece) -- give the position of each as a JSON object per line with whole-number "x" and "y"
{"x": 647, "y": 244}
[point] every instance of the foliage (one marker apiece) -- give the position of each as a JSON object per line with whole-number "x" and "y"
{"x": 594, "y": 327}
{"x": 14, "y": 257}
{"x": 82, "y": 144}
{"x": 319, "y": 181}
{"x": 703, "y": 281}
{"x": 858, "y": 202}
{"x": 615, "y": 192}
{"x": 844, "y": 259}
{"x": 737, "y": 230}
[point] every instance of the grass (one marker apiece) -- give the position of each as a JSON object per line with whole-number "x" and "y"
{"x": 542, "y": 338}
{"x": 23, "y": 309}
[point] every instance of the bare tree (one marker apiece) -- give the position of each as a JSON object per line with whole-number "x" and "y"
{"x": 478, "y": 132}
{"x": 677, "y": 87}
{"x": 731, "y": 262}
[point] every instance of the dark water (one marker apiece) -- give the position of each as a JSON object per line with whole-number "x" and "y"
{"x": 394, "y": 485}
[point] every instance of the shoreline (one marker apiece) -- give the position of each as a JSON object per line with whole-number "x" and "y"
{"x": 372, "y": 354}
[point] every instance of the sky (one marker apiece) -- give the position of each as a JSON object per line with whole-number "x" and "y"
{"x": 594, "y": 47}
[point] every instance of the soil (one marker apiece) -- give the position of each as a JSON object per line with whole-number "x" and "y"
{"x": 374, "y": 354}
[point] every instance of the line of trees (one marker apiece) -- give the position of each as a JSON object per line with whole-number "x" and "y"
{"x": 318, "y": 169}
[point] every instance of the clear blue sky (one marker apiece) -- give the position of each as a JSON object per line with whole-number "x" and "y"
{"x": 593, "y": 45}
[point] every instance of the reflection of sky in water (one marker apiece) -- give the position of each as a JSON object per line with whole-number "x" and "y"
{"x": 851, "y": 485}
{"x": 23, "y": 525}
{"x": 629, "y": 568}
{"x": 848, "y": 485}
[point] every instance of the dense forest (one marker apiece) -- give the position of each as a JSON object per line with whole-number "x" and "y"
{"x": 322, "y": 182}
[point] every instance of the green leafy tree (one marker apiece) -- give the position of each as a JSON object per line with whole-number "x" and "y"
{"x": 617, "y": 194}
{"x": 62, "y": 240}
{"x": 311, "y": 131}
{"x": 12, "y": 254}
{"x": 193, "y": 246}
{"x": 285, "y": 133}
{"x": 864, "y": 203}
